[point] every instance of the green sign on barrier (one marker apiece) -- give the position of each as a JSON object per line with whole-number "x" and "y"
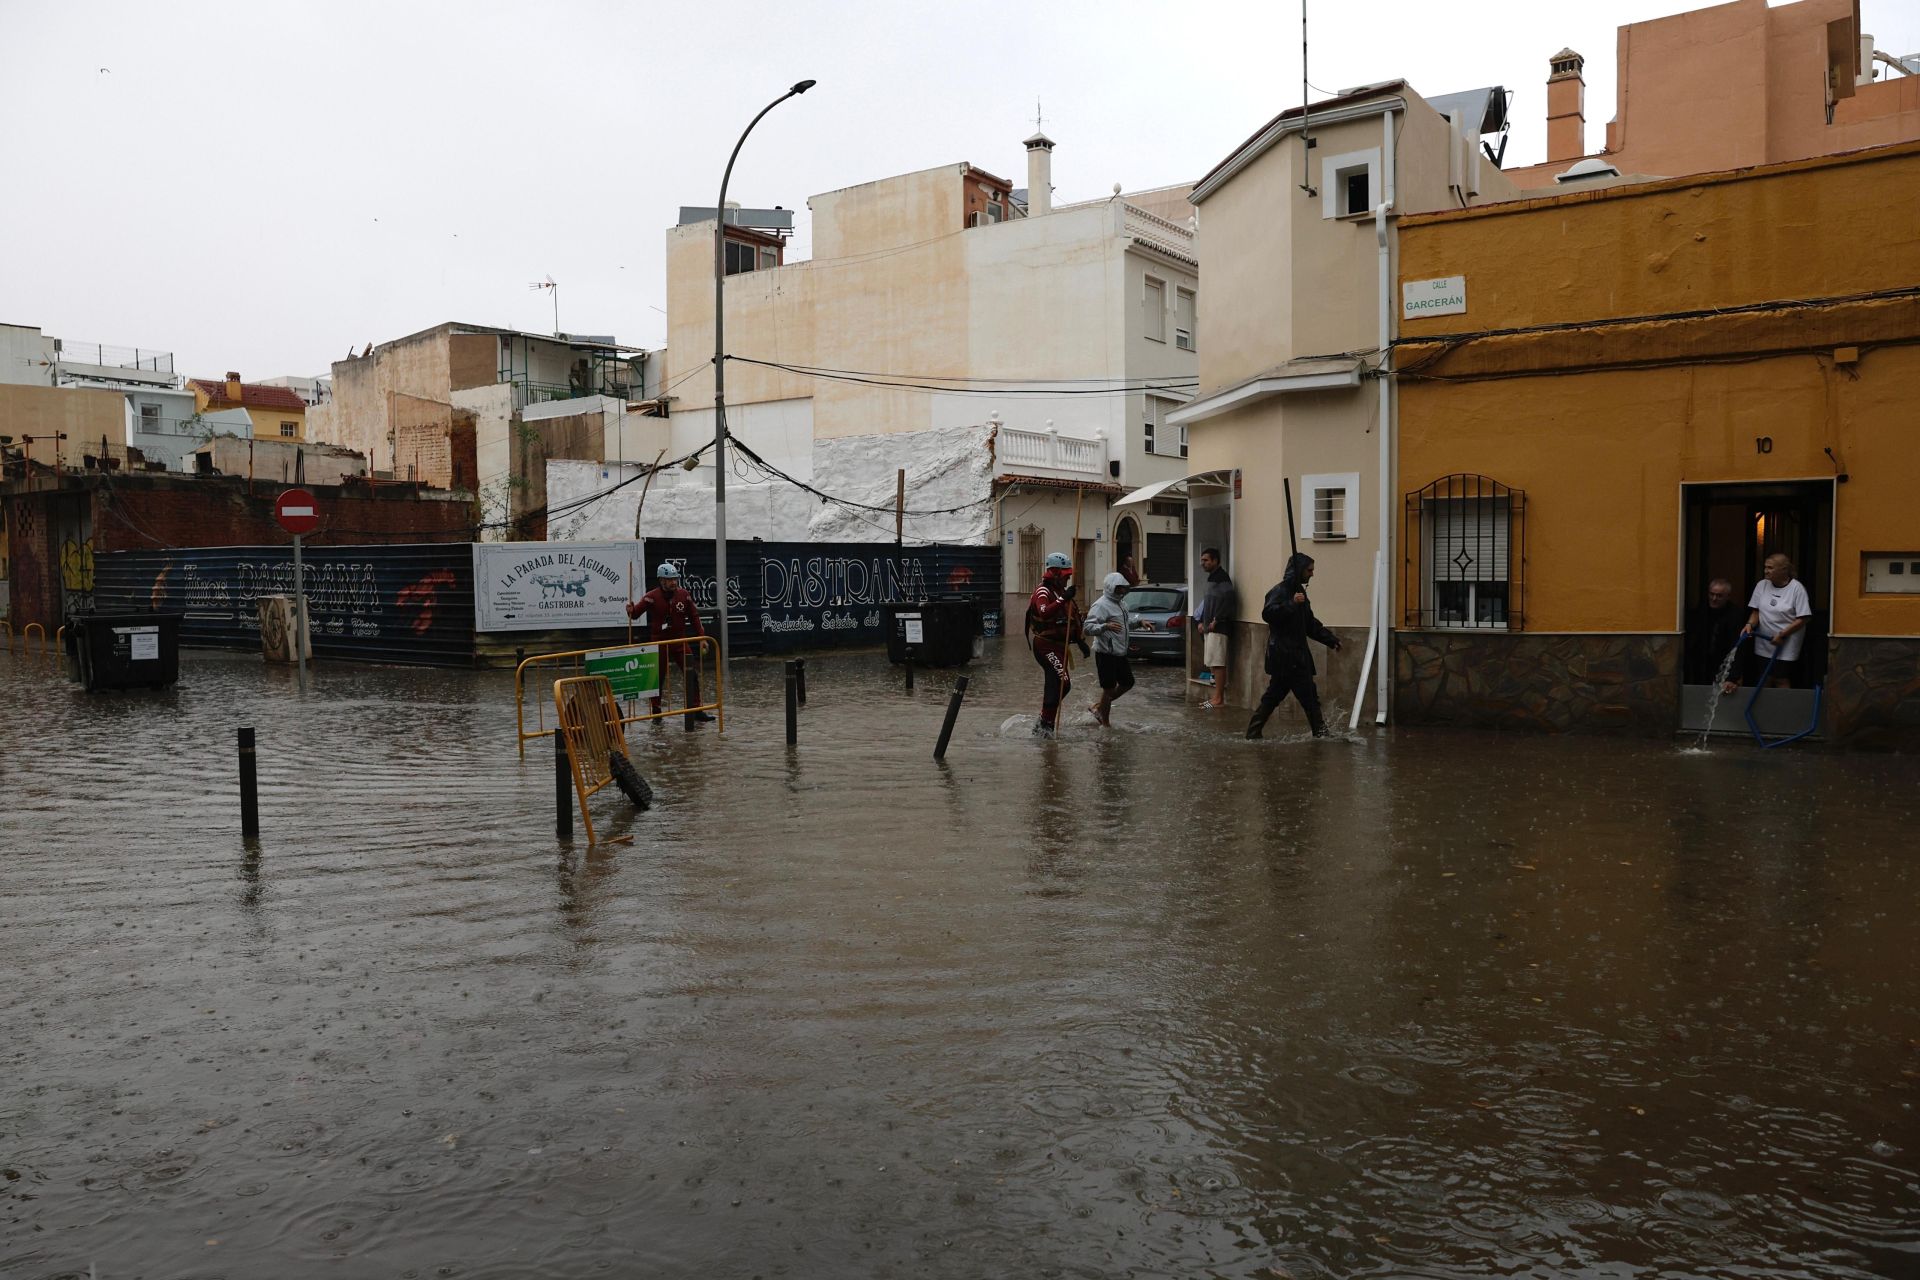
{"x": 634, "y": 671}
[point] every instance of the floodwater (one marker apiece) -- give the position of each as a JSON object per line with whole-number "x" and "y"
{"x": 1153, "y": 1002}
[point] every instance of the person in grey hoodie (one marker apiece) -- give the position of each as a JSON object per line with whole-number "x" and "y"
{"x": 1106, "y": 630}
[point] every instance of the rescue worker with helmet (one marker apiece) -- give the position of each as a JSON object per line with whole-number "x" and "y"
{"x": 671, "y": 613}
{"x": 1050, "y": 617}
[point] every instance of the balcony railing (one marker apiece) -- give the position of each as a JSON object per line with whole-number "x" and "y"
{"x": 1024, "y": 450}
{"x": 96, "y": 353}
{"x": 526, "y": 392}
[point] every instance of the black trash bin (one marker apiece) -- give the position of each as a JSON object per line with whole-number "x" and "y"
{"x": 932, "y": 633}
{"x": 127, "y": 650}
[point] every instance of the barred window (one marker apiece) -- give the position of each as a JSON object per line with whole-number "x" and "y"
{"x": 1465, "y": 554}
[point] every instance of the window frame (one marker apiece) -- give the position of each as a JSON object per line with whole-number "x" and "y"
{"x": 1156, "y": 329}
{"x": 1186, "y": 336}
{"x": 289, "y": 430}
{"x": 1347, "y": 484}
{"x": 1334, "y": 172}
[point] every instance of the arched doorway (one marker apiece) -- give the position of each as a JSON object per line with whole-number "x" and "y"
{"x": 1127, "y": 542}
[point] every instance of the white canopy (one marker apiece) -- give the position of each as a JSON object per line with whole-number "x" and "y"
{"x": 1180, "y": 488}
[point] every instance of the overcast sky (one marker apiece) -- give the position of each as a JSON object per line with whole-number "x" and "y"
{"x": 260, "y": 186}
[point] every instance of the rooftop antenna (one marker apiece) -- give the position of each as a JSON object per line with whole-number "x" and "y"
{"x": 1306, "y": 114}
{"x": 549, "y": 284}
{"x": 1038, "y": 119}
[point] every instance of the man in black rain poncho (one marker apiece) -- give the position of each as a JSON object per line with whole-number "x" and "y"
{"x": 1290, "y": 622}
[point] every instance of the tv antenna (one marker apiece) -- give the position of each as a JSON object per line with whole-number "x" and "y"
{"x": 549, "y": 284}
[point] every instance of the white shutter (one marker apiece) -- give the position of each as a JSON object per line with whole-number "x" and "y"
{"x": 1467, "y": 539}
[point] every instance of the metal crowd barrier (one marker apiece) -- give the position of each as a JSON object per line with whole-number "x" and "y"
{"x": 572, "y": 663}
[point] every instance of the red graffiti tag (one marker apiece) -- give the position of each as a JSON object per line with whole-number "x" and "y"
{"x": 425, "y": 593}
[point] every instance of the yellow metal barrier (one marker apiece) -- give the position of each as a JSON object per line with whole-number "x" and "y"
{"x": 572, "y": 662}
{"x": 589, "y": 715}
{"x": 26, "y": 634}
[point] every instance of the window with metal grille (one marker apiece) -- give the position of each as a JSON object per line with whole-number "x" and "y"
{"x": 1465, "y": 550}
{"x": 1332, "y": 506}
{"x": 1029, "y": 560}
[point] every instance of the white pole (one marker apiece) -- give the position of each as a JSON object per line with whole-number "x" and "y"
{"x": 1383, "y": 635}
{"x": 1373, "y": 636}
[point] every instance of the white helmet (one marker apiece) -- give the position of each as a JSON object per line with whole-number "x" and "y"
{"x": 667, "y": 570}
{"x": 1058, "y": 560}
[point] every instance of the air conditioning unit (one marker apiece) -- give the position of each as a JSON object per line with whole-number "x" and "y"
{"x": 976, "y": 219}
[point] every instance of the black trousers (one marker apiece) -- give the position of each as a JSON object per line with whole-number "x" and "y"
{"x": 1116, "y": 673}
{"x": 1053, "y": 660}
{"x": 1298, "y": 683}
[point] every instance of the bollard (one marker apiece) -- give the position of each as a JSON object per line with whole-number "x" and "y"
{"x": 953, "y": 713}
{"x": 562, "y": 787}
{"x": 800, "y": 678}
{"x": 249, "y": 787}
{"x": 793, "y": 706}
{"x": 909, "y": 675}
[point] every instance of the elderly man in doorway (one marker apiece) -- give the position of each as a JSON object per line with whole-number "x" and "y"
{"x": 1219, "y": 610}
{"x": 1780, "y": 612}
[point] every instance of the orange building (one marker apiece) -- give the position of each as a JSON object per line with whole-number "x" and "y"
{"x": 1736, "y": 84}
{"x": 1642, "y": 389}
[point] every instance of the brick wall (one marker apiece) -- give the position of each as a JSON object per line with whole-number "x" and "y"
{"x": 141, "y": 513}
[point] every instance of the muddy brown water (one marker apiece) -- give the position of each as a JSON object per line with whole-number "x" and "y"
{"x": 1154, "y": 1002}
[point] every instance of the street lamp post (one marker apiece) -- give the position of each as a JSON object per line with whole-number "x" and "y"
{"x": 720, "y": 379}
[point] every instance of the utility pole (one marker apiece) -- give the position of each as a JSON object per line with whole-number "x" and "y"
{"x": 720, "y": 381}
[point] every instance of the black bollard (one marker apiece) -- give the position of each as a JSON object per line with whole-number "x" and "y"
{"x": 562, "y": 788}
{"x": 953, "y": 713}
{"x": 909, "y": 675}
{"x": 793, "y": 706}
{"x": 800, "y": 673}
{"x": 249, "y": 788}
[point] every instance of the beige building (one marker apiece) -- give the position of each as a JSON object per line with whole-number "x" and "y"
{"x": 1300, "y": 258}
{"x": 279, "y": 461}
{"x": 1018, "y": 359}
{"x": 481, "y": 409}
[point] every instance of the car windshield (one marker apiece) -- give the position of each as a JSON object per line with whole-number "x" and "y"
{"x": 1149, "y": 600}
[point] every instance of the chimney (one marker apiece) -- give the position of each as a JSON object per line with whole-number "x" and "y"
{"x": 1039, "y": 175}
{"x": 1566, "y": 108}
{"x": 233, "y": 387}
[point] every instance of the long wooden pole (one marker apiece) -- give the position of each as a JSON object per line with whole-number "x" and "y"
{"x": 1079, "y": 495}
{"x": 638, "y": 507}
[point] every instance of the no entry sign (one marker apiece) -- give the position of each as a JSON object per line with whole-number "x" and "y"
{"x": 297, "y": 512}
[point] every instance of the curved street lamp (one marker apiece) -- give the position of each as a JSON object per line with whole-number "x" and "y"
{"x": 720, "y": 380}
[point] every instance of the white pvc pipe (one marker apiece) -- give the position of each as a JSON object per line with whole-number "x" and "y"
{"x": 1373, "y": 635}
{"x": 1383, "y": 634}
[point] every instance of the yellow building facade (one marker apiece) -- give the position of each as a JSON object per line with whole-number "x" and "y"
{"x": 1651, "y": 387}
{"x": 277, "y": 413}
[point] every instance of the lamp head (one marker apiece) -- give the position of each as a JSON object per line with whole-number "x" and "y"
{"x": 804, "y": 85}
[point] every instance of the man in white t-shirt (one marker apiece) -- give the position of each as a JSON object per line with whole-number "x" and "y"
{"x": 1778, "y": 622}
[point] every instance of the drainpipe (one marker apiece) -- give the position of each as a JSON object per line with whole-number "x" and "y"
{"x": 1383, "y": 655}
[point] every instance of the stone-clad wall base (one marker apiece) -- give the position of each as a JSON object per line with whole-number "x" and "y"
{"x": 1617, "y": 684}
{"x": 1873, "y": 694}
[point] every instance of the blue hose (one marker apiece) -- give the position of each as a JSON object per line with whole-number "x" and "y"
{"x": 1819, "y": 692}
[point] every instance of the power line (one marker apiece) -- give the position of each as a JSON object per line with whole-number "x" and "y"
{"x": 905, "y": 384}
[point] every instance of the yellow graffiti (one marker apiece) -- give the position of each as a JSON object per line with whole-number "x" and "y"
{"x": 76, "y": 565}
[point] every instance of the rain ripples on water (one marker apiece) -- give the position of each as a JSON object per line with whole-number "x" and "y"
{"x": 1155, "y": 1001}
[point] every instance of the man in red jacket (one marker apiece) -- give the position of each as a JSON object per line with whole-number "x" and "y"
{"x": 671, "y": 613}
{"x": 1050, "y": 616}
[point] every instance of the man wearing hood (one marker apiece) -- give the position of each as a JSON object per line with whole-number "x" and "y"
{"x": 1106, "y": 629}
{"x": 1290, "y": 623}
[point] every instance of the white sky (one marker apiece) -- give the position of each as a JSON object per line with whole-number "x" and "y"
{"x": 262, "y": 185}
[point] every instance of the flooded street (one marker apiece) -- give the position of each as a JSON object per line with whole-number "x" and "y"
{"x": 1153, "y": 1002}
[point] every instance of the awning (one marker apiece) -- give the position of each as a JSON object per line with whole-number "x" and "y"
{"x": 1318, "y": 373}
{"x": 1178, "y": 489}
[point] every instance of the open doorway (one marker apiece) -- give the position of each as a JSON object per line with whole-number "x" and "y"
{"x": 1126, "y": 543}
{"x": 1730, "y": 531}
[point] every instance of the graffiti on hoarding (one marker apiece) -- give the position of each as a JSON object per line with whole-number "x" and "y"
{"x": 399, "y": 603}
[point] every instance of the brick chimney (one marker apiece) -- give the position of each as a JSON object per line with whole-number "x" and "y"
{"x": 233, "y": 387}
{"x": 1566, "y": 107}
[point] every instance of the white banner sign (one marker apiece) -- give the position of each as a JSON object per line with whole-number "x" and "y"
{"x": 549, "y": 586}
{"x": 1446, "y": 296}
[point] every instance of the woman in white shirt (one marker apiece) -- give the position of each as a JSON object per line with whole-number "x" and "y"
{"x": 1778, "y": 622}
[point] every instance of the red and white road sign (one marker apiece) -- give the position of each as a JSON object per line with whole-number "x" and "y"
{"x": 297, "y": 512}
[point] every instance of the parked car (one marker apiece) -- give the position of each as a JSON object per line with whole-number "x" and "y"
{"x": 1157, "y": 621}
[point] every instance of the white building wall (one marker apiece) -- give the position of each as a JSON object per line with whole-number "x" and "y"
{"x": 26, "y": 356}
